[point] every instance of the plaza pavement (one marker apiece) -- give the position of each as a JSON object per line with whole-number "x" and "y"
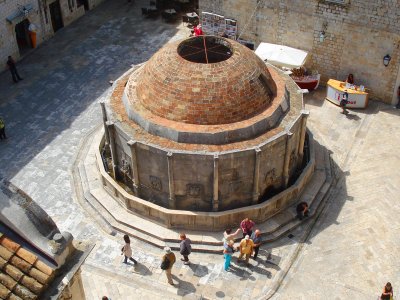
{"x": 354, "y": 248}
{"x": 351, "y": 252}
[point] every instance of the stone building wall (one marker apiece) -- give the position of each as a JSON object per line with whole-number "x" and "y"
{"x": 192, "y": 173}
{"x": 8, "y": 43}
{"x": 358, "y": 34}
{"x": 38, "y": 15}
{"x": 70, "y": 11}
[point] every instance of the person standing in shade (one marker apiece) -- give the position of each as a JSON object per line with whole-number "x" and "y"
{"x": 228, "y": 252}
{"x": 185, "y": 248}
{"x": 2, "y": 129}
{"x": 127, "y": 250}
{"x": 246, "y": 248}
{"x": 167, "y": 262}
{"x": 398, "y": 98}
{"x": 13, "y": 69}
{"x": 247, "y": 226}
{"x": 256, "y": 238}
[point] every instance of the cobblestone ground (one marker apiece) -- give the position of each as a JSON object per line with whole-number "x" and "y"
{"x": 351, "y": 253}
{"x": 354, "y": 248}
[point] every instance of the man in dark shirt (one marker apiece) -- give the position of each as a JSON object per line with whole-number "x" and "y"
{"x": 256, "y": 238}
{"x": 185, "y": 248}
{"x": 13, "y": 69}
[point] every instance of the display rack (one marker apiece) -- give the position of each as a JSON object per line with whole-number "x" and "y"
{"x": 213, "y": 24}
{"x": 231, "y": 28}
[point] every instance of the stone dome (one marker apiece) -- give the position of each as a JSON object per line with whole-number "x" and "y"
{"x": 184, "y": 83}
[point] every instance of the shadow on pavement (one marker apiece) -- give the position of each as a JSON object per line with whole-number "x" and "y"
{"x": 141, "y": 269}
{"x": 240, "y": 270}
{"x": 198, "y": 270}
{"x": 351, "y": 116}
{"x": 184, "y": 287}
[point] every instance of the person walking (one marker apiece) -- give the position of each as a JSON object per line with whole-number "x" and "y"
{"x": 185, "y": 248}
{"x": 246, "y": 248}
{"x": 13, "y": 69}
{"x": 247, "y": 227}
{"x": 127, "y": 250}
{"x": 387, "y": 293}
{"x": 256, "y": 238}
{"x": 228, "y": 252}
{"x": 2, "y": 129}
{"x": 167, "y": 262}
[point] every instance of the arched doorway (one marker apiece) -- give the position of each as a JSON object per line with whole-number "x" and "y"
{"x": 22, "y": 36}
{"x": 85, "y": 3}
{"x": 56, "y": 16}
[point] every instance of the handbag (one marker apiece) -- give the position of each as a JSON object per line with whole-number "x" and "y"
{"x": 165, "y": 264}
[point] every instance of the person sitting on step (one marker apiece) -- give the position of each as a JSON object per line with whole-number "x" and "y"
{"x": 302, "y": 210}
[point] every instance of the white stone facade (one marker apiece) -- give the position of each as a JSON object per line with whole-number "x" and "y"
{"x": 40, "y": 15}
{"x": 358, "y": 34}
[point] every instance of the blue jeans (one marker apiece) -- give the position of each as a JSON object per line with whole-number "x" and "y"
{"x": 228, "y": 258}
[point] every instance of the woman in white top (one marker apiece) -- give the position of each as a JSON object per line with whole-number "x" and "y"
{"x": 127, "y": 250}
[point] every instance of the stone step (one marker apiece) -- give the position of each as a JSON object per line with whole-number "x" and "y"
{"x": 121, "y": 284}
{"x": 286, "y": 221}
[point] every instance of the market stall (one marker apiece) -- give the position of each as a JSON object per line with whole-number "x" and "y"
{"x": 358, "y": 97}
{"x": 281, "y": 56}
{"x": 289, "y": 58}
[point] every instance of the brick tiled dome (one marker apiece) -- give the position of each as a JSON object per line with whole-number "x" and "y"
{"x": 234, "y": 87}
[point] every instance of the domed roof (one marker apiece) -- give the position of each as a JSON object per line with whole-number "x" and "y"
{"x": 226, "y": 83}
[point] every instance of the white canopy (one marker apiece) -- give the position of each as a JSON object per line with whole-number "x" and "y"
{"x": 282, "y": 56}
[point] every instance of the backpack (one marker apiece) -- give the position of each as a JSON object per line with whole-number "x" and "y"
{"x": 165, "y": 264}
